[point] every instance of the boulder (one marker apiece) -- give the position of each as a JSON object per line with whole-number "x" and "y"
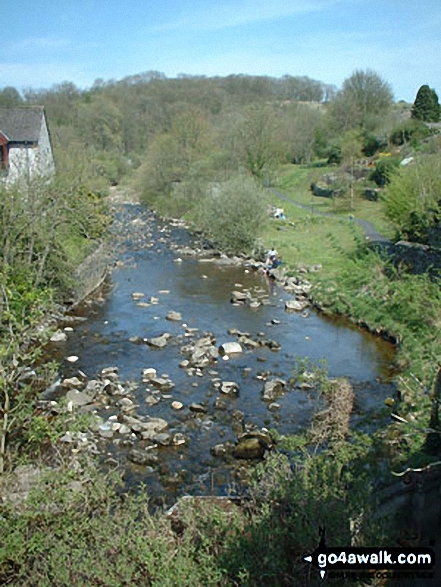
{"x": 158, "y": 342}
{"x": 71, "y": 383}
{"x": 79, "y": 398}
{"x": 273, "y": 389}
{"x": 296, "y": 305}
{"x": 229, "y": 388}
{"x": 58, "y": 336}
{"x": 249, "y": 448}
{"x": 198, "y": 408}
{"x": 230, "y": 348}
{"x": 173, "y": 316}
{"x": 143, "y": 457}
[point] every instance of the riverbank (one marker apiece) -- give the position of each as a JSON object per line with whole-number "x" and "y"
{"x": 291, "y": 483}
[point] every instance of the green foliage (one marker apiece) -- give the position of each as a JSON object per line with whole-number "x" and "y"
{"x": 426, "y": 106}
{"x": 385, "y": 167}
{"x": 372, "y": 144}
{"x": 334, "y": 154}
{"x": 363, "y": 101}
{"x": 78, "y": 527}
{"x": 410, "y": 131}
{"x": 260, "y": 149}
{"x": 412, "y": 199}
{"x": 71, "y": 536}
{"x": 232, "y": 215}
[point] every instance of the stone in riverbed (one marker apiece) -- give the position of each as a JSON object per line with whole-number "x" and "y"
{"x": 296, "y": 305}
{"x": 273, "y": 389}
{"x": 72, "y": 382}
{"x": 58, "y": 336}
{"x": 143, "y": 457}
{"x": 249, "y": 448}
{"x": 72, "y": 359}
{"x": 162, "y": 383}
{"x": 198, "y": 408}
{"x": 148, "y": 373}
{"x": 229, "y": 388}
{"x": 179, "y": 439}
{"x": 220, "y": 450}
{"x": 158, "y": 342}
{"x": 230, "y": 348}
{"x": 177, "y": 405}
{"x": 173, "y": 316}
{"x": 238, "y": 297}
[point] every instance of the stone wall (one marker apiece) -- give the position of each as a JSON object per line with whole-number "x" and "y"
{"x": 92, "y": 272}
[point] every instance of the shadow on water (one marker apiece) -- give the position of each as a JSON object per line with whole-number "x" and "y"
{"x": 149, "y": 262}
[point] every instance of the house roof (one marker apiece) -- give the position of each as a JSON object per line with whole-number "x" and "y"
{"x": 21, "y": 124}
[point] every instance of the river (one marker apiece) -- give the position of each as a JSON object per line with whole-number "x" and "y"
{"x": 149, "y": 261}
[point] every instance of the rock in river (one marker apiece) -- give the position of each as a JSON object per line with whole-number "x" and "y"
{"x": 229, "y": 388}
{"x": 158, "y": 342}
{"x": 249, "y": 448}
{"x": 173, "y": 316}
{"x": 273, "y": 389}
{"x": 296, "y": 305}
{"x": 230, "y": 348}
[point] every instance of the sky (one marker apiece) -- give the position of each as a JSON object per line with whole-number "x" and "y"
{"x": 47, "y": 42}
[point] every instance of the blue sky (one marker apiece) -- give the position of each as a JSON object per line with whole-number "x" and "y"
{"x": 46, "y": 42}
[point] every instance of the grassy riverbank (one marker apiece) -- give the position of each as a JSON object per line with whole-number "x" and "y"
{"x": 358, "y": 282}
{"x": 79, "y": 526}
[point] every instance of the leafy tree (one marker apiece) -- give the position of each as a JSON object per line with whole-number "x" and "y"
{"x": 259, "y": 146}
{"x": 300, "y": 126}
{"x": 426, "y": 106}
{"x": 10, "y": 97}
{"x": 363, "y": 100}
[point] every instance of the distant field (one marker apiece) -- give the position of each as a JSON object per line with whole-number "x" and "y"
{"x": 295, "y": 181}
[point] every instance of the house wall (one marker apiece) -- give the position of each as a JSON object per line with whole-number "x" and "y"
{"x": 28, "y": 162}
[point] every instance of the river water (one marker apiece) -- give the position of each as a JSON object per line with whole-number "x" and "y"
{"x": 149, "y": 262}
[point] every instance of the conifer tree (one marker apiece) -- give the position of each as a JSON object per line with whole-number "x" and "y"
{"x": 426, "y": 106}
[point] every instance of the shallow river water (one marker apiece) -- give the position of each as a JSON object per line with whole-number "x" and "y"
{"x": 147, "y": 253}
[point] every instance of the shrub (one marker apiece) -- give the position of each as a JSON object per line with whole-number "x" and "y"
{"x": 413, "y": 198}
{"x": 411, "y": 131}
{"x": 384, "y": 168}
{"x": 233, "y": 213}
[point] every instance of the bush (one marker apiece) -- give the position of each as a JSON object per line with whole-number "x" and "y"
{"x": 233, "y": 213}
{"x": 411, "y": 131}
{"x": 384, "y": 168}
{"x": 413, "y": 198}
{"x": 372, "y": 144}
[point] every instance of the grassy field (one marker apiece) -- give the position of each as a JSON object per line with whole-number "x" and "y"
{"x": 295, "y": 181}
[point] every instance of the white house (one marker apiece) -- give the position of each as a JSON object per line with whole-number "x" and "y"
{"x": 25, "y": 145}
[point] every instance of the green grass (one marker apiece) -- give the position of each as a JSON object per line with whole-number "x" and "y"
{"x": 307, "y": 239}
{"x": 295, "y": 181}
